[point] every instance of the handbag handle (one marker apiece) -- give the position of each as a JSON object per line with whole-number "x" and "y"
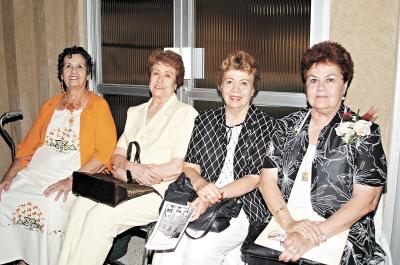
{"x": 210, "y": 223}
{"x": 136, "y": 159}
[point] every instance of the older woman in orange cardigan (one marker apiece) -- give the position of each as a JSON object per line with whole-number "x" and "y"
{"x": 74, "y": 131}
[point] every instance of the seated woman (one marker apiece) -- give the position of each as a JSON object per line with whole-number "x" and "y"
{"x": 328, "y": 162}
{"x": 162, "y": 127}
{"x": 74, "y": 131}
{"x": 224, "y": 160}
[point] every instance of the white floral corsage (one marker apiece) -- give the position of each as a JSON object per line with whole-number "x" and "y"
{"x": 354, "y": 126}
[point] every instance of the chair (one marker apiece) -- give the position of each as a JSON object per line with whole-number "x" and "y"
{"x": 5, "y": 118}
{"x": 120, "y": 246}
{"x": 148, "y": 254}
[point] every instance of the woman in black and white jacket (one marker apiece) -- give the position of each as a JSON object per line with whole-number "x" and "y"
{"x": 224, "y": 160}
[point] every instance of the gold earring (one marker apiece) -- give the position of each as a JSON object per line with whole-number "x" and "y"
{"x": 343, "y": 98}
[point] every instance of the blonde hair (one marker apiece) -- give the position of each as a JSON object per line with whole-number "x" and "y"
{"x": 242, "y": 61}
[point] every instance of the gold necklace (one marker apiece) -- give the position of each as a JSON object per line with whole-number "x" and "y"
{"x": 72, "y": 105}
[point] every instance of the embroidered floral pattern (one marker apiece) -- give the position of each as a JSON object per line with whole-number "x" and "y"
{"x": 57, "y": 233}
{"x": 63, "y": 140}
{"x": 30, "y": 216}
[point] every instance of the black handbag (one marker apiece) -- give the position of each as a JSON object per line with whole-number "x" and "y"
{"x": 215, "y": 219}
{"x": 180, "y": 191}
{"x": 254, "y": 254}
{"x": 104, "y": 188}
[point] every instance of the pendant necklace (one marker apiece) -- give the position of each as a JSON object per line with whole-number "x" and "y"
{"x": 70, "y": 105}
{"x": 305, "y": 175}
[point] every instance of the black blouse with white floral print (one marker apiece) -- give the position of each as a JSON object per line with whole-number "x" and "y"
{"x": 335, "y": 169}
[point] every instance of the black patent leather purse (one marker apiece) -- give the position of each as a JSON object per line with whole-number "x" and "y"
{"x": 215, "y": 219}
{"x": 104, "y": 188}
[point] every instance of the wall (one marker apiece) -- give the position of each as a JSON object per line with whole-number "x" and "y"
{"x": 4, "y": 155}
{"x": 32, "y": 34}
{"x": 369, "y": 30}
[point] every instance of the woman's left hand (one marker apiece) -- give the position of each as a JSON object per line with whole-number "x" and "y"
{"x": 295, "y": 246}
{"x": 200, "y": 205}
{"x": 62, "y": 187}
{"x": 306, "y": 228}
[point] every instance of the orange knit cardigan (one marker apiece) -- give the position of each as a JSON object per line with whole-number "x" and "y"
{"x": 97, "y": 130}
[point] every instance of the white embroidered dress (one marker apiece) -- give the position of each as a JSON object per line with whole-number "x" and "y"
{"x": 31, "y": 225}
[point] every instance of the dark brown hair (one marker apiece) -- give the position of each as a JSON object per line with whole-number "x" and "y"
{"x": 171, "y": 59}
{"x": 242, "y": 61}
{"x": 69, "y": 52}
{"x": 328, "y": 52}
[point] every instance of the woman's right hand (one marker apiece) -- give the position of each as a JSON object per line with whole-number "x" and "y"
{"x": 119, "y": 162}
{"x": 211, "y": 193}
{"x": 200, "y": 205}
{"x": 15, "y": 167}
{"x": 5, "y": 184}
{"x": 119, "y": 173}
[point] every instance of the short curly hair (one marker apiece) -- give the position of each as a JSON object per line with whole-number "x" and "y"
{"x": 328, "y": 52}
{"x": 242, "y": 61}
{"x": 69, "y": 52}
{"x": 171, "y": 59}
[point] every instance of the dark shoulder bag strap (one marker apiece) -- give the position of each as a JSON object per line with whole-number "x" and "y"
{"x": 136, "y": 159}
{"x": 210, "y": 223}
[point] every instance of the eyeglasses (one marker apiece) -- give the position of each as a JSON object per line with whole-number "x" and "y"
{"x": 329, "y": 81}
{"x": 277, "y": 236}
{"x": 79, "y": 68}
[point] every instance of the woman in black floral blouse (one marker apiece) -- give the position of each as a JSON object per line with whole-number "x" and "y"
{"x": 328, "y": 161}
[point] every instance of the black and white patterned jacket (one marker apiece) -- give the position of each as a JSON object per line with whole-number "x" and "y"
{"x": 336, "y": 167}
{"x": 208, "y": 149}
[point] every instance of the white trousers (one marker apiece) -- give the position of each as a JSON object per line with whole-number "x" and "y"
{"x": 93, "y": 226}
{"x": 213, "y": 249}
